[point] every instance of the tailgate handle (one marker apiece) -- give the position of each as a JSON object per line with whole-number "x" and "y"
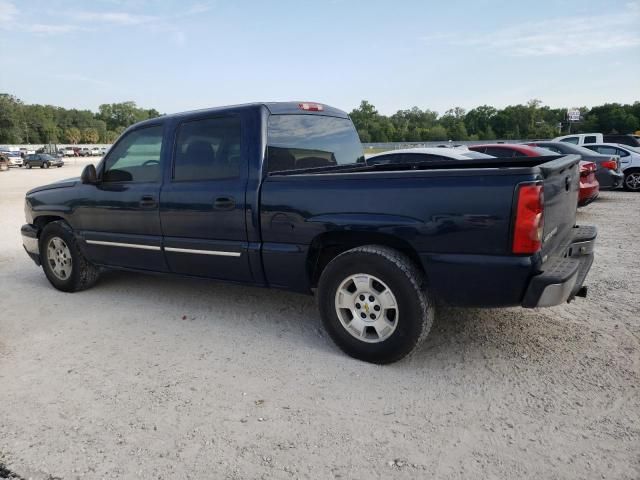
{"x": 567, "y": 183}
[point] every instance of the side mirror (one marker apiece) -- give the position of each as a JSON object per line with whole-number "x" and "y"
{"x": 89, "y": 175}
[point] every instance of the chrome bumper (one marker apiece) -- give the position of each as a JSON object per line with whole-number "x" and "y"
{"x": 30, "y": 242}
{"x": 562, "y": 279}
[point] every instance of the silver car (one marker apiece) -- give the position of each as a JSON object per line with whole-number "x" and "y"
{"x": 629, "y": 161}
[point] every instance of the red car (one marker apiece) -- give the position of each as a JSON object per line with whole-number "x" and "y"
{"x": 509, "y": 150}
{"x": 589, "y": 186}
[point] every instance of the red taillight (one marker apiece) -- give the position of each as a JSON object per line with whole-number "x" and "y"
{"x": 529, "y": 223}
{"x": 587, "y": 168}
{"x": 311, "y": 107}
{"x": 610, "y": 164}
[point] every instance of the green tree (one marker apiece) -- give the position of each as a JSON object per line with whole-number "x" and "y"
{"x": 438, "y": 132}
{"x": 72, "y": 135}
{"x": 123, "y": 114}
{"x": 10, "y": 113}
{"x": 90, "y": 135}
{"x": 111, "y": 136}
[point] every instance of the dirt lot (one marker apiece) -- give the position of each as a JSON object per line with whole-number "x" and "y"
{"x": 153, "y": 377}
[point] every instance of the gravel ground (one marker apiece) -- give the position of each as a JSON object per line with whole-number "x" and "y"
{"x": 155, "y": 377}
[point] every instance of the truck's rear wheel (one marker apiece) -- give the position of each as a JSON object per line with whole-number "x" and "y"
{"x": 374, "y": 304}
{"x": 63, "y": 263}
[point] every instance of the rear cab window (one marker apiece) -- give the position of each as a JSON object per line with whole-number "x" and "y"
{"x": 298, "y": 141}
{"x": 590, "y": 139}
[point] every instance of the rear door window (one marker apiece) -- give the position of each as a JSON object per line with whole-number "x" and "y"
{"x": 590, "y": 139}
{"x": 608, "y": 150}
{"x": 622, "y": 153}
{"x": 310, "y": 141}
{"x": 208, "y": 149}
{"x": 573, "y": 140}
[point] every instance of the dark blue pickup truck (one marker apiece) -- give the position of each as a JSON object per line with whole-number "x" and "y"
{"x": 279, "y": 195}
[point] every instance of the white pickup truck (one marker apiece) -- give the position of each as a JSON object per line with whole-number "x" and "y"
{"x": 587, "y": 138}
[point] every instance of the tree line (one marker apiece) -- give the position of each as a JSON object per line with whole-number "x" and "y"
{"x": 531, "y": 121}
{"x": 23, "y": 123}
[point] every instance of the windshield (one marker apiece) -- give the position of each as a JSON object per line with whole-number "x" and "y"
{"x": 309, "y": 141}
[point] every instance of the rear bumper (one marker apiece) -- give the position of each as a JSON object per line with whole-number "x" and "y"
{"x": 563, "y": 277}
{"x": 30, "y": 242}
{"x": 588, "y": 195}
{"x": 609, "y": 178}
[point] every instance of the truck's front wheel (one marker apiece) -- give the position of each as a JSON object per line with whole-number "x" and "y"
{"x": 63, "y": 263}
{"x": 374, "y": 304}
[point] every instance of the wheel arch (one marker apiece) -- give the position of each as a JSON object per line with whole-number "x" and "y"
{"x": 327, "y": 246}
{"x": 43, "y": 220}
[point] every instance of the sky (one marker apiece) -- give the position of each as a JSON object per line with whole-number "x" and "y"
{"x": 182, "y": 55}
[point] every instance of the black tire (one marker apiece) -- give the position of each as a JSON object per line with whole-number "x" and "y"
{"x": 630, "y": 182}
{"x": 27, "y": 165}
{"x": 415, "y": 309}
{"x": 45, "y": 165}
{"x": 83, "y": 273}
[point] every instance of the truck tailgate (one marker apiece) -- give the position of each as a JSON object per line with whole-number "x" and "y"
{"x": 561, "y": 180}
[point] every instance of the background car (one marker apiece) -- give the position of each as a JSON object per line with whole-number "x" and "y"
{"x": 42, "y": 160}
{"x": 509, "y": 150}
{"x": 589, "y": 187}
{"x": 69, "y": 152}
{"x": 95, "y": 151}
{"x": 4, "y": 162}
{"x": 587, "y": 138}
{"x": 14, "y": 157}
{"x": 84, "y": 152}
{"x": 415, "y": 155}
{"x": 629, "y": 162}
{"x": 608, "y": 170}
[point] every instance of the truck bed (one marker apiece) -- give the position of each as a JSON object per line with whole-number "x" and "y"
{"x": 457, "y": 216}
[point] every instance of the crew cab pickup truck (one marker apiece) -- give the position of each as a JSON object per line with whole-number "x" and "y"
{"x": 279, "y": 195}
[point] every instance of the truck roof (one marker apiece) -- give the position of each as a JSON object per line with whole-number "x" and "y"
{"x": 275, "y": 108}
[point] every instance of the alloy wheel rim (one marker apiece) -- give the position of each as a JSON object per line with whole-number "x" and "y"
{"x": 633, "y": 181}
{"x": 367, "y": 308}
{"x": 59, "y": 258}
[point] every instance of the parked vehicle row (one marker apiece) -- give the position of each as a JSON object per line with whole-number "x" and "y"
{"x": 83, "y": 151}
{"x": 608, "y": 170}
{"x": 589, "y": 185}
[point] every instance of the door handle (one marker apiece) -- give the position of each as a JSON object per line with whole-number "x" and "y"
{"x": 224, "y": 203}
{"x": 147, "y": 201}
